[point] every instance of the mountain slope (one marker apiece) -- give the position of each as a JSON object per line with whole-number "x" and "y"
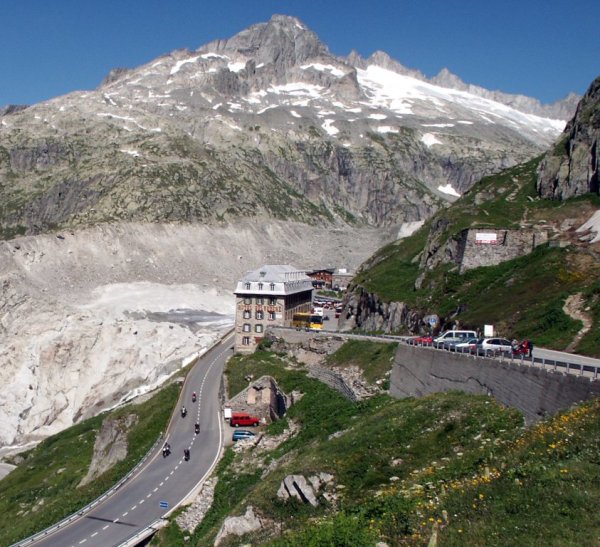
{"x": 572, "y": 167}
{"x": 267, "y": 123}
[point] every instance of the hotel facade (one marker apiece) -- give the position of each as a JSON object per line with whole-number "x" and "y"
{"x": 269, "y": 297}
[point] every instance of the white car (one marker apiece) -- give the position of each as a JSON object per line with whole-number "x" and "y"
{"x": 494, "y": 346}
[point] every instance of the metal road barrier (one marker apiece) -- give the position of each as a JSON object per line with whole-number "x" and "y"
{"x": 67, "y": 520}
{"x": 545, "y": 363}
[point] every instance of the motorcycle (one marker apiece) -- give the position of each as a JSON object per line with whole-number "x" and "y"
{"x": 194, "y": 397}
{"x": 166, "y": 450}
{"x": 186, "y": 454}
{"x": 183, "y": 412}
{"x": 197, "y": 428}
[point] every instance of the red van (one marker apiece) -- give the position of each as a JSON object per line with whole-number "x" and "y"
{"x": 241, "y": 418}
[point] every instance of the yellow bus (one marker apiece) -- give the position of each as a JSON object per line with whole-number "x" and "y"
{"x": 308, "y": 321}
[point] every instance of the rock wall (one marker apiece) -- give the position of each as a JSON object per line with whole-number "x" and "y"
{"x": 535, "y": 392}
{"x": 508, "y": 244}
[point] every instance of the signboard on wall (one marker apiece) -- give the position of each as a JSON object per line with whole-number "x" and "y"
{"x": 486, "y": 238}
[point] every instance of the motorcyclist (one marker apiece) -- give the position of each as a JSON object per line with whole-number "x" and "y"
{"x": 166, "y": 450}
{"x": 186, "y": 454}
{"x": 183, "y": 411}
{"x": 197, "y": 428}
{"x": 194, "y": 397}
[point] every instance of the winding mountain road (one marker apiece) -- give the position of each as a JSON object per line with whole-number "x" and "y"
{"x": 163, "y": 482}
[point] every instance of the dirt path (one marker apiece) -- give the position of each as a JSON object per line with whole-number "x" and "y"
{"x": 574, "y": 308}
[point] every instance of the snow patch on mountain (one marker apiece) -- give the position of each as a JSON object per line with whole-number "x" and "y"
{"x": 429, "y": 139}
{"x": 448, "y": 189}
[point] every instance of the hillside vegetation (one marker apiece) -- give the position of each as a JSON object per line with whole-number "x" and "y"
{"x": 523, "y": 297}
{"x": 44, "y": 489}
{"x": 455, "y": 466}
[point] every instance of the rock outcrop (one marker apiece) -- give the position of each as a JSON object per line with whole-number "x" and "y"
{"x": 303, "y": 489}
{"x": 238, "y": 526}
{"x": 110, "y": 446}
{"x": 366, "y": 311}
{"x": 572, "y": 167}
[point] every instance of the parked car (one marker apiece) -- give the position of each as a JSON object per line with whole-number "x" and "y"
{"x": 467, "y": 346}
{"x": 420, "y": 341}
{"x": 453, "y": 336}
{"x": 494, "y": 346}
{"x": 241, "y": 434}
{"x": 241, "y": 418}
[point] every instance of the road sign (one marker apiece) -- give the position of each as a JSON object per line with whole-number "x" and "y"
{"x": 432, "y": 321}
{"x": 164, "y": 504}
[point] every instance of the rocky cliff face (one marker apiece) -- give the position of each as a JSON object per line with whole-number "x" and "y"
{"x": 571, "y": 168}
{"x": 265, "y": 124}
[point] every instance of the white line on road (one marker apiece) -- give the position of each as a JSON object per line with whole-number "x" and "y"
{"x": 155, "y": 489}
{"x": 134, "y": 508}
{"x": 142, "y": 501}
{"x": 82, "y": 541}
{"x": 125, "y": 514}
{"x": 163, "y": 482}
{"x": 106, "y": 527}
{"x": 148, "y": 496}
{"x": 94, "y": 534}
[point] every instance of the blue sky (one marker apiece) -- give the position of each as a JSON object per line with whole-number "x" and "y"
{"x": 543, "y": 49}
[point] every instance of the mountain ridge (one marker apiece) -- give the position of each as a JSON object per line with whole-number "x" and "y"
{"x": 267, "y": 122}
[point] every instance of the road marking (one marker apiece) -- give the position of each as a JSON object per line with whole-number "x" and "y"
{"x": 171, "y": 472}
{"x": 82, "y": 541}
{"x": 94, "y": 534}
{"x": 125, "y": 514}
{"x": 134, "y": 508}
{"x": 142, "y": 501}
{"x": 163, "y": 482}
{"x": 155, "y": 489}
{"x": 166, "y": 478}
{"x": 106, "y": 527}
{"x": 148, "y": 496}
{"x": 116, "y": 520}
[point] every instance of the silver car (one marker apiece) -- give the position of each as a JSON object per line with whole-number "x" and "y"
{"x": 494, "y": 346}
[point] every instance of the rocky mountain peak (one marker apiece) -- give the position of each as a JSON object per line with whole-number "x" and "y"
{"x": 571, "y": 167}
{"x": 282, "y": 42}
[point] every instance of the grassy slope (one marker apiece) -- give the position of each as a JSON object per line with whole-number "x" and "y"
{"x": 455, "y": 463}
{"x": 523, "y": 297}
{"x": 43, "y": 488}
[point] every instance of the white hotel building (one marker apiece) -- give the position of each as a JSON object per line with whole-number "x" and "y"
{"x": 268, "y": 297}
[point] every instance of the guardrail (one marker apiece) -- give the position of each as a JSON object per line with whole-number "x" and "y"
{"x": 89, "y": 506}
{"x": 553, "y": 365}
{"x": 545, "y": 363}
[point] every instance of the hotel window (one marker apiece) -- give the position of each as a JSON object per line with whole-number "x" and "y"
{"x": 246, "y": 327}
{"x": 272, "y": 301}
{"x": 260, "y": 286}
{"x": 272, "y": 286}
{"x": 271, "y": 316}
{"x": 260, "y": 315}
{"x": 247, "y": 287}
{"x": 258, "y": 328}
{"x": 247, "y": 314}
{"x": 260, "y": 301}
{"x": 247, "y": 301}
{"x": 246, "y": 341}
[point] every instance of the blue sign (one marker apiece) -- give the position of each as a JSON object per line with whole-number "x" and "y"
{"x": 432, "y": 321}
{"x": 164, "y": 504}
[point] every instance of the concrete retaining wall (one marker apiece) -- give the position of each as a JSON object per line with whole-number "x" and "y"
{"x": 535, "y": 392}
